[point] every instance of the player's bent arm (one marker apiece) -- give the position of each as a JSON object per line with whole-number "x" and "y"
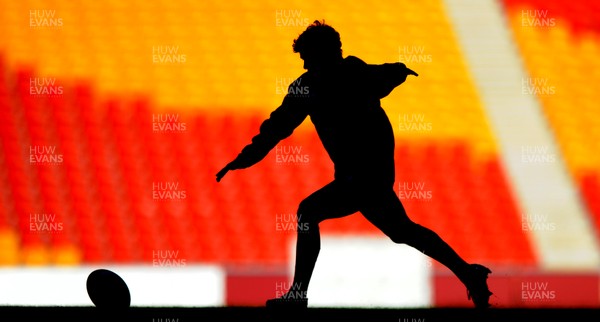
{"x": 280, "y": 125}
{"x": 385, "y": 77}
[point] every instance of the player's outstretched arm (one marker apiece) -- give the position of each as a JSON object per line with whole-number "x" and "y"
{"x": 223, "y": 172}
{"x": 277, "y": 127}
{"x": 382, "y": 79}
{"x": 389, "y": 76}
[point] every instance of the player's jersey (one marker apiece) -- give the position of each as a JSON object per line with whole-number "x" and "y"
{"x": 343, "y": 103}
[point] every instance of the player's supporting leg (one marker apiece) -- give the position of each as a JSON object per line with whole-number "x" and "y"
{"x": 331, "y": 201}
{"x": 383, "y": 208}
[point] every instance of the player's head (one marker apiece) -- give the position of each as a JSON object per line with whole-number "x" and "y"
{"x": 319, "y": 45}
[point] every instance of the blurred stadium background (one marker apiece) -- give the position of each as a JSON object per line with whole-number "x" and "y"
{"x": 116, "y": 115}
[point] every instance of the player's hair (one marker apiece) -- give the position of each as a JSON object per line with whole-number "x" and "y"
{"x": 319, "y": 38}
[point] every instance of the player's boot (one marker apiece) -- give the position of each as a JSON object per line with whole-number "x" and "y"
{"x": 477, "y": 288}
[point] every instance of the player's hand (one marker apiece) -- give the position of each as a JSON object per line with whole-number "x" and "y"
{"x": 411, "y": 72}
{"x": 407, "y": 71}
{"x": 223, "y": 171}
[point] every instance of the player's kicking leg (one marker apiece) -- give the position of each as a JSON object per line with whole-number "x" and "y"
{"x": 383, "y": 208}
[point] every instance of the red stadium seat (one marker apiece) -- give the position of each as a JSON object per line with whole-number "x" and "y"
{"x": 112, "y": 157}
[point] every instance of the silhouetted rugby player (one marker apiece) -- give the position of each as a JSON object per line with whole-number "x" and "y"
{"x": 343, "y": 103}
